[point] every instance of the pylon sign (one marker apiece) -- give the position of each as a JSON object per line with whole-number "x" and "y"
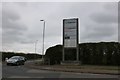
{"x": 70, "y": 32}
{"x": 70, "y": 36}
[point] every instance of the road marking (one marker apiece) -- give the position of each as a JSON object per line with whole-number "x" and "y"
{"x": 33, "y": 71}
{"x": 18, "y": 77}
{"x": 36, "y": 71}
{"x": 25, "y": 77}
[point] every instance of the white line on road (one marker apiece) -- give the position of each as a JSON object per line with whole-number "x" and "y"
{"x": 24, "y": 77}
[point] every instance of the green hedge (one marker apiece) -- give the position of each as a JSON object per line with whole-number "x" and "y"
{"x": 28, "y": 56}
{"x": 103, "y": 53}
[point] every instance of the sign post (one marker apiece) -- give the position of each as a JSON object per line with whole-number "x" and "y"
{"x": 70, "y": 37}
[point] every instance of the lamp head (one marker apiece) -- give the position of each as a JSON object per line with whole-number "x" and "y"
{"x": 41, "y": 20}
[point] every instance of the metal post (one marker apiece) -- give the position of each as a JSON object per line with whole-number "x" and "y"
{"x": 35, "y": 45}
{"x": 63, "y": 55}
{"x": 43, "y": 38}
{"x": 77, "y": 53}
{"x": 77, "y": 32}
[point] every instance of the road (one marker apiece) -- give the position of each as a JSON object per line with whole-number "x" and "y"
{"x": 24, "y": 72}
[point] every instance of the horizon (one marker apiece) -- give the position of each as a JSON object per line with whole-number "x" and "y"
{"x": 54, "y": 46}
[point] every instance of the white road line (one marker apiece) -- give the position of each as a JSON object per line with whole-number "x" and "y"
{"x": 36, "y": 71}
{"x": 24, "y": 77}
{"x": 18, "y": 77}
{"x": 33, "y": 71}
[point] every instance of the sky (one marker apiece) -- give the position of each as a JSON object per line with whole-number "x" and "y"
{"x": 22, "y": 28}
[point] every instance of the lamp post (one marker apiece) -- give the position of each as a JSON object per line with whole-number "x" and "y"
{"x": 43, "y": 37}
{"x": 36, "y": 45}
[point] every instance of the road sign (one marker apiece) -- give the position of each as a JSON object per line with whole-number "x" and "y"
{"x": 70, "y": 36}
{"x": 70, "y": 30}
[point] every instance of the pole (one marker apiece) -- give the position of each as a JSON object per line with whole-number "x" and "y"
{"x": 35, "y": 47}
{"x": 43, "y": 38}
{"x": 77, "y": 32}
{"x": 63, "y": 55}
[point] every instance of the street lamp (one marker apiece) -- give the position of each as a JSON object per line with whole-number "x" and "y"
{"x": 36, "y": 45}
{"x": 35, "y": 48}
{"x": 43, "y": 37}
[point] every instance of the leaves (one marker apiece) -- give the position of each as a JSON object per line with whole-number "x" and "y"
{"x": 103, "y": 53}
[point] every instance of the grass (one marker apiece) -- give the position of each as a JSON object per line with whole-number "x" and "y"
{"x": 88, "y": 67}
{"x": 101, "y": 67}
{"x": 80, "y": 68}
{"x": 98, "y": 67}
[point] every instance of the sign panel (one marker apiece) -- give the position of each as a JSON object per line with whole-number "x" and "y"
{"x": 70, "y": 30}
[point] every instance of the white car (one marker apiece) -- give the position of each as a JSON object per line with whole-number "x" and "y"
{"x": 16, "y": 60}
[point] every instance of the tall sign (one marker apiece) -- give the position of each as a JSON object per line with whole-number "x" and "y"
{"x": 70, "y": 35}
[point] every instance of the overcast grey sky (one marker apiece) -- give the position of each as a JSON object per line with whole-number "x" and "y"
{"x": 21, "y": 25}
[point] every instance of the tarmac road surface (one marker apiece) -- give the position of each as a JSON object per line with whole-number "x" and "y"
{"x": 24, "y": 72}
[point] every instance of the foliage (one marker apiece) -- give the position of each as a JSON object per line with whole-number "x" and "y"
{"x": 54, "y": 54}
{"x": 102, "y": 53}
{"x": 28, "y": 56}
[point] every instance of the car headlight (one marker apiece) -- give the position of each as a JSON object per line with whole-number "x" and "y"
{"x": 11, "y": 61}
